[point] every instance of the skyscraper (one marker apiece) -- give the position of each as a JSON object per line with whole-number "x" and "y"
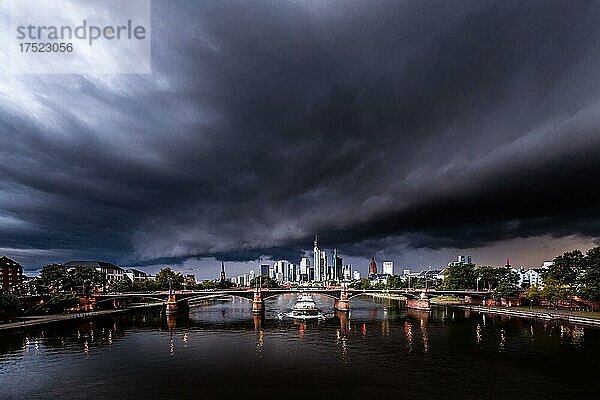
{"x": 388, "y": 267}
{"x": 264, "y": 269}
{"x": 317, "y": 260}
{"x": 347, "y": 272}
{"x": 337, "y": 266}
{"x": 372, "y": 267}
{"x": 304, "y": 270}
{"x": 323, "y": 267}
{"x": 222, "y": 272}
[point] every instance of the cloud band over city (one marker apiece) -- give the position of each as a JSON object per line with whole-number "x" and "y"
{"x": 412, "y": 128}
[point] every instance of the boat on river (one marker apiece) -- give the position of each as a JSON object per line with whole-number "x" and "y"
{"x": 305, "y": 308}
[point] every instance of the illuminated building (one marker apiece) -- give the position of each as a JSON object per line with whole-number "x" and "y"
{"x": 11, "y": 274}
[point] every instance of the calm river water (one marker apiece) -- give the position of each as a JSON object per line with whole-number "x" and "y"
{"x": 382, "y": 350}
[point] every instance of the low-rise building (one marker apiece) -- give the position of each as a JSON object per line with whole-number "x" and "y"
{"x": 379, "y": 278}
{"x": 135, "y": 275}
{"x": 110, "y": 271}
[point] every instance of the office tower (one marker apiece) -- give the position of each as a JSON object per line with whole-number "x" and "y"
{"x": 464, "y": 260}
{"x": 388, "y": 267}
{"x": 304, "y": 270}
{"x": 347, "y": 275}
{"x": 338, "y": 266}
{"x": 264, "y": 269}
{"x": 323, "y": 269}
{"x": 316, "y": 260}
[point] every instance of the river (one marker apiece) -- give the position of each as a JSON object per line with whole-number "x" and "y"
{"x": 221, "y": 351}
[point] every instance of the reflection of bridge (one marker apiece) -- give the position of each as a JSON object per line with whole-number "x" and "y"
{"x": 179, "y": 300}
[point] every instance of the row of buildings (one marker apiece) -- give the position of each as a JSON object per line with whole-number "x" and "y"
{"x": 319, "y": 268}
{"x": 111, "y": 271}
{"x": 13, "y": 279}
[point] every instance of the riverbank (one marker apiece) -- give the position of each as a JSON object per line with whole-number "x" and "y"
{"x": 35, "y": 321}
{"x": 573, "y": 317}
{"x": 540, "y": 314}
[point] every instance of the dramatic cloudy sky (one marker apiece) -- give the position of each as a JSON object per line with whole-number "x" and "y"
{"x": 408, "y": 130}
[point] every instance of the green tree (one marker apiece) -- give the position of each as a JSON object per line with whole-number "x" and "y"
{"x": 418, "y": 283}
{"x": 460, "y": 276}
{"x": 9, "y": 303}
{"x": 144, "y": 286}
{"x": 84, "y": 279}
{"x": 224, "y": 284}
{"x": 592, "y": 258}
{"x": 59, "y": 303}
{"x": 554, "y": 291}
{"x": 491, "y": 277}
{"x": 362, "y": 284}
{"x": 566, "y": 267}
{"x": 206, "y": 285}
{"x": 589, "y": 281}
{"x": 488, "y": 277}
{"x": 167, "y": 276}
{"x": 379, "y": 286}
{"x": 123, "y": 285}
{"x": 395, "y": 282}
{"x": 54, "y": 277}
{"x": 506, "y": 290}
{"x": 263, "y": 281}
{"x": 589, "y": 284}
{"x": 533, "y": 293}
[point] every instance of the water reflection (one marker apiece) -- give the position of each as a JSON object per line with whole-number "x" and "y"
{"x": 344, "y": 319}
{"x": 409, "y": 335}
{"x": 413, "y": 346}
{"x": 424, "y": 334}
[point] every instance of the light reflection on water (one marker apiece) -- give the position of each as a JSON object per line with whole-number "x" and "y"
{"x": 221, "y": 349}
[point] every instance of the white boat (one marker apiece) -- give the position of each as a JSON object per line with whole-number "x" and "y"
{"x": 305, "y": 308}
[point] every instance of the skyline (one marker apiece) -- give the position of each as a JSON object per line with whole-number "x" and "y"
{"x": 406, "y": 131}
{"x": 206, "y": 268}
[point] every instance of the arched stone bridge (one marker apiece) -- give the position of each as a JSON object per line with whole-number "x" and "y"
{"x": 178, "y": 300}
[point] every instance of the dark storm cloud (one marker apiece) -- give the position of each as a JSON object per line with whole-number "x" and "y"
{"x": 429, "y": 124}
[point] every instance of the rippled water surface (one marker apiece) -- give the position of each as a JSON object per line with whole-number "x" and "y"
{"x": 380, "y": 350}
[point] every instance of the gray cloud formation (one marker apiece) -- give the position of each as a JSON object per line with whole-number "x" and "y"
{"x": 427, "y": 124}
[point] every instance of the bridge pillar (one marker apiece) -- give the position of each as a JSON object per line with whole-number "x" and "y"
{"x": 343, "y": 303}
{"x": 258, "y": 304}
{"x": 473, "y": 300}
{"x": 422, "y": 303}
{"x": 174, "y": 306}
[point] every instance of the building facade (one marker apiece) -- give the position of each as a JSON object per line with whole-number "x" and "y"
{"x": 388, "y": 267}
{"x": 11, "y": 274}
{"x": 372, "y": 267}
{"x": 110, "y": 271}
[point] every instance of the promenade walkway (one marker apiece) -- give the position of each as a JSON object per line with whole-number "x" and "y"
{"x": 575, "y": 317}
{"x": 38, "y": 320}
